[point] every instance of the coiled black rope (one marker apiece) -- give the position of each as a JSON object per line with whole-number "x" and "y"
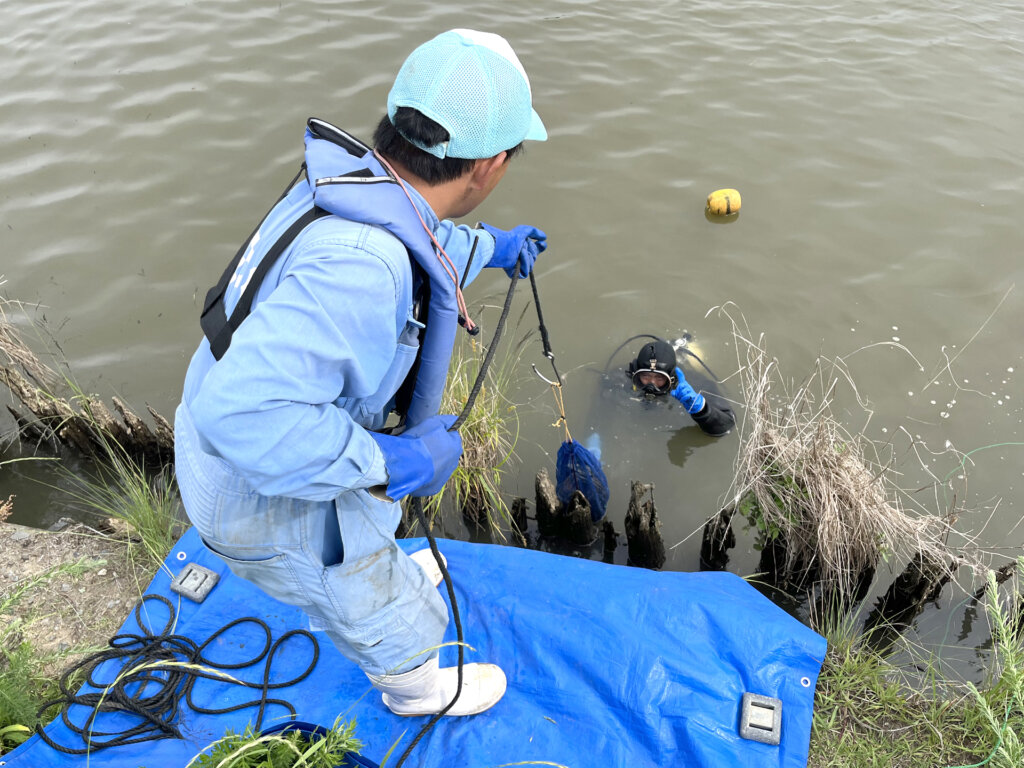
{"x": 154, "y": 680}
{"x": 417, "y": 507}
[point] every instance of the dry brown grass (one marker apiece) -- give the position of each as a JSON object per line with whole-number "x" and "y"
{"x": 6, "y": 508}
{"x": 15, "y": 353}
{"x": 53, "y": 410}
{"x": 823, "y": 489}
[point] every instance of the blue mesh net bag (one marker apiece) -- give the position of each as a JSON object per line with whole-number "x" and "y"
{"x": 577, "y": 469}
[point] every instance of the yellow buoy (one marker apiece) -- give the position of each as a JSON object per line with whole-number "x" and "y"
{"x": 723, "y": 202}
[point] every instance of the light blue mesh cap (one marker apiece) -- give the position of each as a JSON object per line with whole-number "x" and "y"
{"x": 472, "y": 85}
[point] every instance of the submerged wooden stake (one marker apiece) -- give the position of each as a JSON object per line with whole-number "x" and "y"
{"x": 611, "y": 540}
{"x": 716, "y": 542}
{"x": 572, "y": 521}
{"x": 922, "y": 580}
{"x": 643, "y": 529}
{"x": 547, "y": 504}
{"x": 578, "y": 522}
{"x": 84, "y": 424}
{"x": 519, "y": 518}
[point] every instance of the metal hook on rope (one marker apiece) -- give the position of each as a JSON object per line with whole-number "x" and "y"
{"x": 556, "y": 390}
{"x": 548, "y": 353}
{"x": 544, "y": 378}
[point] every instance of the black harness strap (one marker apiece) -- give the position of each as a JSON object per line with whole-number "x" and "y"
{"x": 217, "y": 326}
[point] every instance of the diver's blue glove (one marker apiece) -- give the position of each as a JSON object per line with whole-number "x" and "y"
{"x": 684, "y": 393}
{"x": 421, "y": 459}
{"x": 521, "y": 245}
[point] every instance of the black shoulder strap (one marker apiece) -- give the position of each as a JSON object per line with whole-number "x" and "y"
{"x": 420, "y": 310}
{"x": 217, "y": 326}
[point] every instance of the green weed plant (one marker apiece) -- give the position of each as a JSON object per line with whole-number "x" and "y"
{"x": 18, "y": 701}
{"x": 290, "y": 749}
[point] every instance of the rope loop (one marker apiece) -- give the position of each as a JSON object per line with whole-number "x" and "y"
{"x": 158, "y": 671}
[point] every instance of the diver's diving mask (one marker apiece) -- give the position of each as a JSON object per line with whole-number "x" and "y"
{"x": 653, "y": 371}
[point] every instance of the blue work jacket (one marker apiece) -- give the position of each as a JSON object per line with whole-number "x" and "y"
{"x": 330, "y": 339}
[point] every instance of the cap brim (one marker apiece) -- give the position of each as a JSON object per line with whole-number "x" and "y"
{"x": 537, "y": 130}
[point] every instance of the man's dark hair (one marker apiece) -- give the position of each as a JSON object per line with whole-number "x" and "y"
{"x": 389, "y": 140}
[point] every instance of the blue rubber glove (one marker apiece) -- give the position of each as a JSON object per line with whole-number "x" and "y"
{"x": 685, "y": 394}
{"x": 421, "y": 459}
{"x": 521, "y": 246}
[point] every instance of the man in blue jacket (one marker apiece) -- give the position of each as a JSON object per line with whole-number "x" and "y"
{"x": 310, "y": 343}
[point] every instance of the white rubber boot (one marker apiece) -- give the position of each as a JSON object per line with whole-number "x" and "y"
{"x": 425, "y": 559}
{"x": 427, "y": 689}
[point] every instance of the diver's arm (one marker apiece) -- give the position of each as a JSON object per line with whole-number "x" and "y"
{"x": 712, "y": 419}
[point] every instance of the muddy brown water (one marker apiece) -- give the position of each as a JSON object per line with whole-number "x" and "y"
{"x": 876, "y": 146}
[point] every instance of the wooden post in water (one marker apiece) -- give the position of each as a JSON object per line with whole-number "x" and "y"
{"x": 921, "y": 581}
{"x": 577, "y": 521}
{"x": 772, "y": 563}
{"x": 547, "y": 504}
{"x": 611, "y": 540}
{"x": 519, "y": 520}
{"x": 643, "y": 529}
{"x": 716, "y": 542}
{"x": 573, "y": 521}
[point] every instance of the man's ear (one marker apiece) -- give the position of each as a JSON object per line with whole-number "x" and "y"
{"x": 484, "y": 169}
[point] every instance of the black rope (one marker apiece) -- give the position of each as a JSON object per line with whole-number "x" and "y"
{"x": 475, "y": 330}
{"x": 417, "y": 507}
{"x": 544, "y": 329}
{"x": 498, "y": 329}
{"x": 150, "y": 660}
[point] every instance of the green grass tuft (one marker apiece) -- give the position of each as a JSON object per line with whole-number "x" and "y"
{"x": 867, "y": 713}
{"x": 146, "y": 503}
{"x": 489, "y": 434}
{"x": 286, "y": 750}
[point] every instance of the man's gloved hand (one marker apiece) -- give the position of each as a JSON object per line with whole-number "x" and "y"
{"x": 421, "y": 459}
{"x": 519, "y": 246}
{"x": 715, "y": 420}
{"x": 685, "y": 394}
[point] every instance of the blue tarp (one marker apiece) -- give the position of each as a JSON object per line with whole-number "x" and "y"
{"x": 607, "y": 666}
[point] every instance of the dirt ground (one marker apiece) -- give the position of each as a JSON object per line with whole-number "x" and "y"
{"x": 66, "y": 591}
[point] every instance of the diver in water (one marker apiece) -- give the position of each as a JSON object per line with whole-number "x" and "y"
{"x": 655, "y": 373}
